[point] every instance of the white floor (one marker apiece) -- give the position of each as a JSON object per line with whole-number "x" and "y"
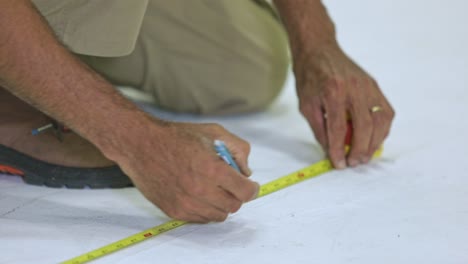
{"x": 409, "y": 207}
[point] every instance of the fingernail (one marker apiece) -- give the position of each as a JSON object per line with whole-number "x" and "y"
{"x": 341, "y": 165}
{"x": 353, "y": 163}
{"x": 249, "y": 171}
{"x": 256, "y": 192}
{"x": 365, "y": 160}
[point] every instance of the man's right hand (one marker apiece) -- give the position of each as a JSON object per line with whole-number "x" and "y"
{"x": 176, "y": 167}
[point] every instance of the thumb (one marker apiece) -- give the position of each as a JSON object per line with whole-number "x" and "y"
{"x": 242, "y": 162}
{"x": 240, "y": 153}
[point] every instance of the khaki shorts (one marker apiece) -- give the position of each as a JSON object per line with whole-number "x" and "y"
{"x": 197, "y": 56}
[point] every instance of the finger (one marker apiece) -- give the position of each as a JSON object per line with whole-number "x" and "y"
{"x": 382, "y": 123}
{"x": 221, "y": 199}
{"x": 363, "y": 127}
{"x": 195, "y": 210}
{"x": 242, "y": 188}
{"x": 210, "y": 214}
{"x": 380, "y": 132}
{"x": 315, "y": 116}
{"x": 194, "y": 218}
{"x": 336, "y": 132}
{"x": 240, "y": 150}
{"x": 381, "y": 120}
{"x": 186, "y": 215}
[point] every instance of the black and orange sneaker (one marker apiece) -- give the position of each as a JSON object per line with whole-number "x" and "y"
{"x": 38, "y": 172}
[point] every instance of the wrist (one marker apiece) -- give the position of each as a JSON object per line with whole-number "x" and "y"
{"x": 119, "y": 142}
{"x": 308, "y": 25}
{"x": 311, "y": 53}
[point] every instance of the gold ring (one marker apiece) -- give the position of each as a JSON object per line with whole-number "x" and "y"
{"x": 376, "y": 108}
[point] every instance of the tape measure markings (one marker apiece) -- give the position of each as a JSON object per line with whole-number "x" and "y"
{"x": 126, "y": 242}
{"x": 295, "y": 177}
{"x": 306, "y": 173}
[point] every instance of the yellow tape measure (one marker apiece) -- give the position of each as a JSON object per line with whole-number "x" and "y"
{"x": 273, "y": 186}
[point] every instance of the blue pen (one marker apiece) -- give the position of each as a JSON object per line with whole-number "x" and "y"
{"x": 224, "y": 153}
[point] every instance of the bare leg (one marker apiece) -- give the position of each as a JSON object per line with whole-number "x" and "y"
{"x": 18, "y": 119}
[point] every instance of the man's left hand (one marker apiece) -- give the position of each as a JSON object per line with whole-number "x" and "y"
{"x": 333, "y": 90}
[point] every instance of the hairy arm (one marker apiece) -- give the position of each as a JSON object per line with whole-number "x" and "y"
{"x": 308, "y": 25}
{"x": 173, "y": 164}
{"x": 38, "y": 69}
{"x": 332, "y": 88}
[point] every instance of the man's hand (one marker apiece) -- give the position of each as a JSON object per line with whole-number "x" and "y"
{"x": 174, "y": 165}
{"x": 332, "y": 88}
{"x": 178, "y": 169}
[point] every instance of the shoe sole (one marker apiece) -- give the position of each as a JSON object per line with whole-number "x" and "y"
{"x": 37, "y": 172}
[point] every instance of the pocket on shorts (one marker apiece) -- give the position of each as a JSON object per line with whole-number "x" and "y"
{"x": 104, "y": 28}
{"x": 53, "y": 12}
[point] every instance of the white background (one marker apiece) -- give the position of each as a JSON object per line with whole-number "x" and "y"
{"x": 411, "y": 206}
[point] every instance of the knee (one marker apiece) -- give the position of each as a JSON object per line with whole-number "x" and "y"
{"x": 240, "y": 67}
{"x": 246, "y": 83}
{"x": 241, "y": 86}
{"x": 260, "y": 83}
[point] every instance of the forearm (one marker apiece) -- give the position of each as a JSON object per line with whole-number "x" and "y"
{"x": 308, "y": 25}
{"x": 38, "y": 69}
